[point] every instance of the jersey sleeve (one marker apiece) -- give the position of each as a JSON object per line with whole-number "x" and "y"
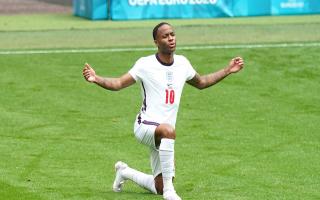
{"x": 135, "y": 70}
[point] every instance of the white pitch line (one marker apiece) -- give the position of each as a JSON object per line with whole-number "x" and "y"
{"x": 239, "y": 46}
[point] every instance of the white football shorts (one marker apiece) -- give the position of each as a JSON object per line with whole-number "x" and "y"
{"x": 144, "y": 133}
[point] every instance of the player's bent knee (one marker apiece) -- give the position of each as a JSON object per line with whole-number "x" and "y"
{"x": 166, "y": 131}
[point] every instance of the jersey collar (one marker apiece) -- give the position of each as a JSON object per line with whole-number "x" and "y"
{"x": 162, "y": 63}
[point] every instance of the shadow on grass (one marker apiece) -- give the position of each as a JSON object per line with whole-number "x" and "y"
{"x": 130, "y": 195}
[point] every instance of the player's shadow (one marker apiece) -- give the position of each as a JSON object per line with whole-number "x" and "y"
{"x": 125, "y": 195}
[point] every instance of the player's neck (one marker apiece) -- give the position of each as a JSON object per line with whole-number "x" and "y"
{"x": 165, "y": 59}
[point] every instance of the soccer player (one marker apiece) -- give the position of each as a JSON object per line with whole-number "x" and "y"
{"x": 162, "y": 77}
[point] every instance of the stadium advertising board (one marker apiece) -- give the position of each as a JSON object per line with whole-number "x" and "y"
{"x": 155, "y": 9}
{"x": 250, "y": 7}
{"x": 91, "y": 9}
{"x": 284, "y": 7}
{"x": 168, "y": 9}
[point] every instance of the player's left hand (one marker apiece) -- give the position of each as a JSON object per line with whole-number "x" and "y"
{"x": 235, "y": 65}
{"x": 88, "y": 73}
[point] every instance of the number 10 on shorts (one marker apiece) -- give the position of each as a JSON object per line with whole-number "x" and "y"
{"x": 169, "y": 96}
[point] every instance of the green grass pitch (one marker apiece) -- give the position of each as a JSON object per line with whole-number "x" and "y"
{"x": 253, "y": 136}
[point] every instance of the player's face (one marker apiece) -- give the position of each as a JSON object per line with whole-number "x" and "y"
{"x": 166, "y": 39}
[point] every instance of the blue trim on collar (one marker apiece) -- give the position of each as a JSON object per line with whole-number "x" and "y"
{"x": 163, "y": 63}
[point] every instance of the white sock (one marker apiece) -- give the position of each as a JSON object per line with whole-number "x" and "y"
{"x": 166, "y": 154}
{"x": 144, "y": 180}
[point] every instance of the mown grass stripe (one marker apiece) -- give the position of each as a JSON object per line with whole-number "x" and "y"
{"x": 237, "y": 46}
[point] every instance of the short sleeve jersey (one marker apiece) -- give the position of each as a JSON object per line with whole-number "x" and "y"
{"x": 161, "y": 87}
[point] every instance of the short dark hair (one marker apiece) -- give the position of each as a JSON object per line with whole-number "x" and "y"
{"x": 155, "y": 29}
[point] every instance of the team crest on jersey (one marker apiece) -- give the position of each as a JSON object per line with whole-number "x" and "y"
{"x": 169, "y": 76}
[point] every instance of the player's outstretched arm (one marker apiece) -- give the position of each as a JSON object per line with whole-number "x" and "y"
{"x": 113, "y": 84}
{"x": 205, "y": 81}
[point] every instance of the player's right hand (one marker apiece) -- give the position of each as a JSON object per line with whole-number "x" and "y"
{"x": 88, "y": 73}
{"x": 236, "y": 64}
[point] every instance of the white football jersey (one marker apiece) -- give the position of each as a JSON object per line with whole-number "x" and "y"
{"x": 161, "y": 87}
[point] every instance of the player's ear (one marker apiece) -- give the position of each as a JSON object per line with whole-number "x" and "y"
{"x": 155, "y": 42}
